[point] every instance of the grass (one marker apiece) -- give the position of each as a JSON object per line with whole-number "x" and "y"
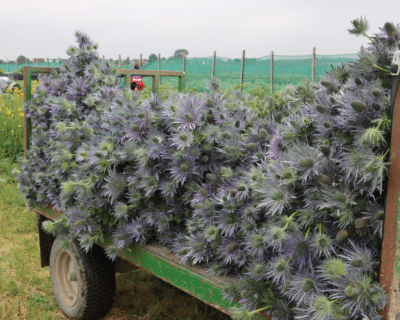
{"x": 25, "y": 287}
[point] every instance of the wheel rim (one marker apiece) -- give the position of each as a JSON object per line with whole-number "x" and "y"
{"x": 68, "y": 290}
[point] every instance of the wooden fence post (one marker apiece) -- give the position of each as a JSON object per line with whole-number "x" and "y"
{"x": 16, "y": 64}
{"x": 313, "y": 66}
{"x": 47, "y": 62}
{"x": 184, "y": 63}
{"x": 58, "y": 61}
{"x": 213, "y": 65}
{"x": 272, "y": 72}
{"x": 159, "y": 68}
{"x": 241, "y": 71}
{"x": 140, "y": 61}
{"x": 362, "y": 50}
{"x": 119, "y": 61}
{"x": 104, "y": 60}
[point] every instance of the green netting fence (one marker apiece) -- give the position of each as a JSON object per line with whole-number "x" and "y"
{"x": 287, "y": 70}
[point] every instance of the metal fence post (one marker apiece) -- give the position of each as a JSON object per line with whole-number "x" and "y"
{"x": 272, "y": 72}
{"x": 313, "y": 66}
{"x": 213, "y": 65}
{"x": 241, "y": 71}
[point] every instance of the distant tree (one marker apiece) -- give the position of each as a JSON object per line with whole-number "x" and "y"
{"x": 21, "y": 59}
{"x": 127, "y": 61}
{"x": 179, "y": 53}
{"x": 2, "y": 62}
{"x": 237, "y": 60}
{"x": 152, "y": 57}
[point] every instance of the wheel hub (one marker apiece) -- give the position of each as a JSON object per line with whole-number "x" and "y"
{"x": 67, "y": 278}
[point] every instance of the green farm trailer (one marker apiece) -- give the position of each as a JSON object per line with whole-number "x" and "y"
{"x": 84, "y": 283}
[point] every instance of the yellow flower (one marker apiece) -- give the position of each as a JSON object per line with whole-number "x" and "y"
{"x": 8, "y": 112}
{"x": 21, "y": 114}
{"x": 12, "y": 130}
{"x": 19, "y": 125}
{"x": 19, "y": 109}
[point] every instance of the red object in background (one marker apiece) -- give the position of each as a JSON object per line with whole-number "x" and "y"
{"x": 139, "y": 82}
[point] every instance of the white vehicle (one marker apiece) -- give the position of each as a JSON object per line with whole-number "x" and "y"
{"x": 6, "y": 83}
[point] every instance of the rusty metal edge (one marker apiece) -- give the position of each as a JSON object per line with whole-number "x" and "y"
{"x": 389, "y": 241}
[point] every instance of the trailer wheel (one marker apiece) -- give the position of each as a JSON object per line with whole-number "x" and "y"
{"x": 83, "y": 283}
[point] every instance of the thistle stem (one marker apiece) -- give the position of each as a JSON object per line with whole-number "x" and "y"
{"x": 257, "y": 310}
{"x": 289, "y": 220}
{"x": 320, "y": 224}
{"x": 385, "y": 70}
{"x": 385, "y": 154}
{"x": 368, "y": 37}
{"x": 308, "y": 231}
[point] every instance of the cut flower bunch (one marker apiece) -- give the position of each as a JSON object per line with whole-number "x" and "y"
{"x": 291, "y": 203}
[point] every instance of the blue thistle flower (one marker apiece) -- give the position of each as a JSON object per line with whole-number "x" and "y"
{"x": 213, "y": 133}
{"x": 358, "y": 293}
{"x": 256, "y": 245}
{"x": 183, "y": 169}
{"x": 78, "y": 87}
{"x": 307, "y": 160}
{"x": 200, "y": 250}
{"x": 188, "y": 116}
{"x": 282, "y": 311}
{"x": 230, "y": 248}
{"x": 115, "y": 186}
{"x": 376, "y": 215}
{"x": 359, "y": 258}
{"x": 274, "y": 197}
{"x": 305, "y": 286}
{"x": 257, "y": 269}
{"x": 276, "y": 147}
{"x": 137, "y": 230}
{"x": 182, "y": 139}
{"x": 320, "y": 308}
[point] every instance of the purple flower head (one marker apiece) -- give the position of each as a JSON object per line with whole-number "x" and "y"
{"x": 200, "y": 249}
{"x": 298, "y": 246}
{"x": 280, "y": 269}
{"x": 78, "y": 86}
{"x": 305, "y": 286}
{"x": 182, "y": 139}
{"x": 230, "y": 248}
{"x": 136, "y": 230}
{"x": 276, "y": 147}
{"x": 189, "y": 113}
{"x": 257, "y": 269}
{"x": 58, "y": 87}
{"x": 376, "y": 215}
{"x": 358, "y": 293}
{"x": 307, "y": 160}
{"x": 359, "y": 258}
{"x": 115, "y": 186}
{"x": 274, "y": 197}
{"x": 213, "y": 133}
{"x": 184, "y": 168}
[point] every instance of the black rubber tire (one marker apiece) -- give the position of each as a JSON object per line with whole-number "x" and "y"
{"x": 95, "y": 281}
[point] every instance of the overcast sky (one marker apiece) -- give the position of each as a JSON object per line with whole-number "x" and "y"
{"x": 45, "y": 28}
